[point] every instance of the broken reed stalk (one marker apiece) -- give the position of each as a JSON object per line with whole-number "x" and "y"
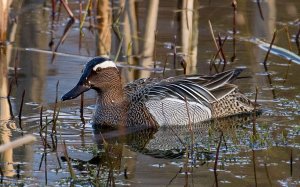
{"x": 119, "y": 49}
{"x": 234, "y": 5}
{"x": 165, "y": 65}
{"x": 66, "y": 6}
{"x": 291, "y": 163}
{"x": 10, "y": 88}
{"x": 41, "y": 118}
{"x": 217, "y": 158}
{"x": 18, "y": 170}
{"x": 290, "y": 48}
{"x": 268, "y": 175}
{"x": 45, "y": 164}
{"x": 186, "y": 175}
{"x": 260, "y": 10}
{"x": 286, "y": 29}
{"x": 154, "y": 51}
{"x": 216, "y": 178}
{"x": 116, "y": 23}
{"x": 59, "y": 12}
{"x": 16, "y": 68}
{"x": 2, "y": 175}
{"x": 170, "y": 182}
{"x": 213, "y": 37}
{"x": 8, "y": 99}
{"x": 212, "y": 62}
{"x": 41, "y": 162}
{"x": 298, "y": 40}
{"x": 183, "y": 65}
{"x": 174, "y": 52}
{"x": 254, "y": 166}
{"x": 53, "y": 3}
{"x": 55, "y": 109}
{"x": 71, "y": 171}
{"x": 185, "y": 8}
{"x": 63, "y": 37}
{"x": 267, "y": 55}
{"x": 265, "y": 64}
{"x": 80, "y": 23}
{"x": 254, "y": 115}
{"x": 80, "y": 12}
{"x": 81, "y": 105}
{"x": 84, "y": 15}
{"x": 81, "y": 109}
{"x": 41, "y": 127}
{"x": 20, "y": 111}
{"x": 221, "y": 44}
{"x": 218, "y": 151}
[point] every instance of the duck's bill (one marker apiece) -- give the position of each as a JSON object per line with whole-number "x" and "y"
{"x": 75, "y": 92}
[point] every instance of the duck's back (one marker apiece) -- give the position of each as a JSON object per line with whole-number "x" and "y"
{"x": 184, "y": 99}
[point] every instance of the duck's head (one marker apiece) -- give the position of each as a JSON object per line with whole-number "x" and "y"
{"x": 98, "y": 74}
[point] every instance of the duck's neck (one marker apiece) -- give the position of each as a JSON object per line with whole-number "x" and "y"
{"x": 111, "y": 107}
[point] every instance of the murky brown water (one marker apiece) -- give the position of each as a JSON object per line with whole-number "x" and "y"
{"x": 146, "y": 158}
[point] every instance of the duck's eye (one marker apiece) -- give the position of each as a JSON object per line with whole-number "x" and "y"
{"x": 98, "y": 69}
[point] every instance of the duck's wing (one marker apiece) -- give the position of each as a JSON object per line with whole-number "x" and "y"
{"x": 170, "y": 100}
{"x": 216, "y": 81}
{"x": 212, "y": 87}
{"x": 197, "y": 88}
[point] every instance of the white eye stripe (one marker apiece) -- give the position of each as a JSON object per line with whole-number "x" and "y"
{"x": 105, "y": 64}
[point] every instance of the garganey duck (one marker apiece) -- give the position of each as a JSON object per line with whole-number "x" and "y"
{"x": 153, "y": 102}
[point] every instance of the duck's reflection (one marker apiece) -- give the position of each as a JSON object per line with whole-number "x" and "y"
{"x": 119, "y": 148}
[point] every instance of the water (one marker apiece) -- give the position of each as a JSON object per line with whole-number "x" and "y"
{"x": 144, "y": 157}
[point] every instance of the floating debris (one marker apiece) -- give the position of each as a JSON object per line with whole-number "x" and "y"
{"x": 278, "y": 51}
